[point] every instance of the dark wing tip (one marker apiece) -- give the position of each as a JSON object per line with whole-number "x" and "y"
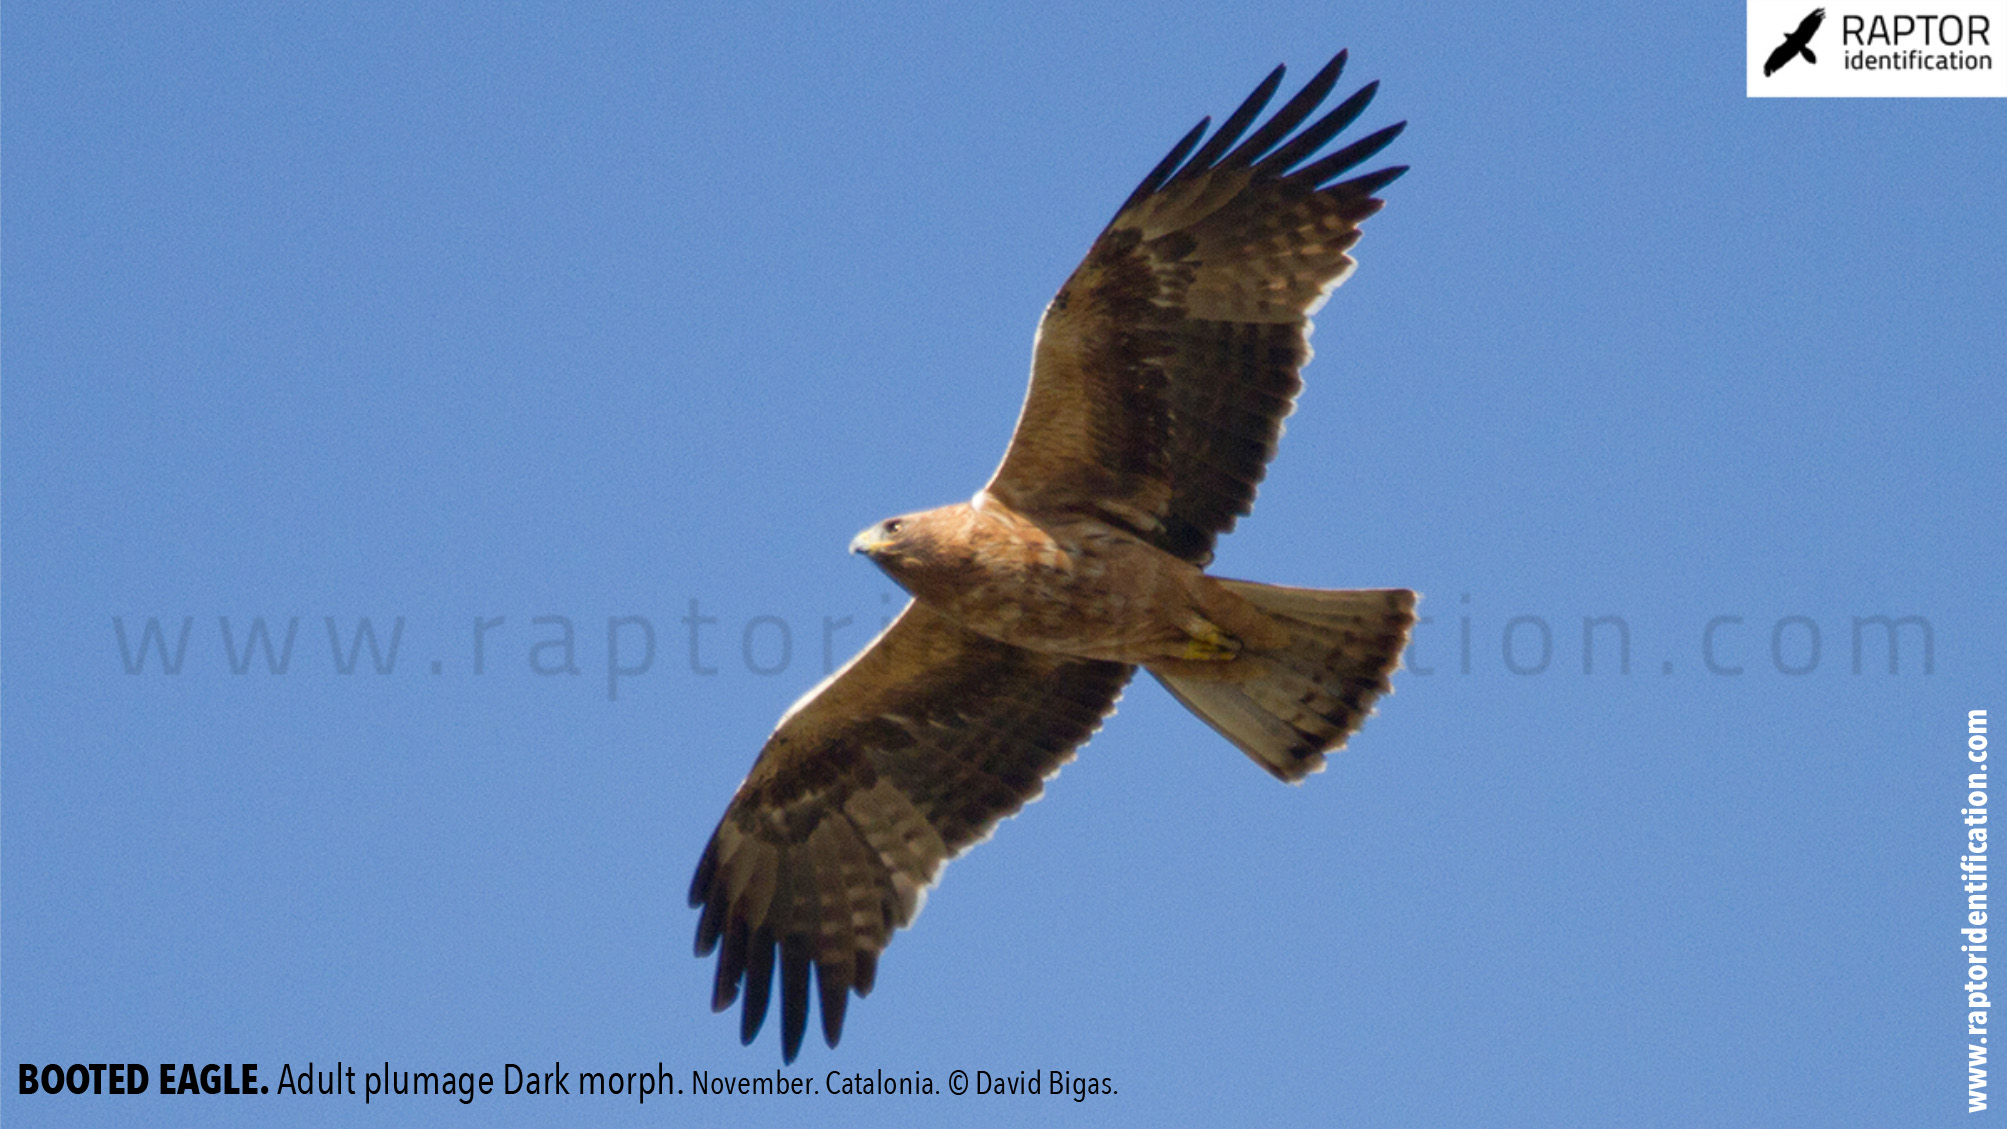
{"x": 1288, "y": 117}
{"x": 707, "y": 869}
{"x": 1236, "y": 123}
{"x": 731, "y": 968}
{"x": 1371, "y": 182}
{"x": 747, "y": 960}
{"x": 759, "y": 983}
{"x": 794, "y": 995}
{"x": 705, "y": 892}
{"x": 833, "y": 987}
{"x": 1324, "y": 129}
{"x": 1162, "y": 173}
{"x": 1328, "y": 168}
{"x": 1270, "y": 148}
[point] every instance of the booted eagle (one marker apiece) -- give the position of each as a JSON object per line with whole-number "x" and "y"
{"x": 1161, "y": 373}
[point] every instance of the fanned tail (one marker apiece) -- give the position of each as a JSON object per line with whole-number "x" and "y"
{"x": 1287, "y": 706}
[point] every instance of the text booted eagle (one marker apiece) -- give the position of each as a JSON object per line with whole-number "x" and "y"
{"x": 1161, "y": 373}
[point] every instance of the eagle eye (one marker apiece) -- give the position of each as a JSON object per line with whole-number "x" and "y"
{"x": 892, "y": 526}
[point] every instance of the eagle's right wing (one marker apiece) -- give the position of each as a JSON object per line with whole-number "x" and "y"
{"x": 891, "y": 767}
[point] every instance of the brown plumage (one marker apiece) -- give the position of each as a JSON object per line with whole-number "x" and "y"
{"x": 1160, "y": 378}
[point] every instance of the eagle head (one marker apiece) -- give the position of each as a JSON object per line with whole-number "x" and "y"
{"x": 881, "y": 541}
{"x": 916, "y": 548}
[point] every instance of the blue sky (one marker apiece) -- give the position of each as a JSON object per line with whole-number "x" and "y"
{"x": 559, "y": 318}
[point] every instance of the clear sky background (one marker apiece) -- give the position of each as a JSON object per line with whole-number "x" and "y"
{"x": 455, "y": 314}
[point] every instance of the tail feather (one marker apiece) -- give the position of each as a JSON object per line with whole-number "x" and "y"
{"x": 1287, "y": 706}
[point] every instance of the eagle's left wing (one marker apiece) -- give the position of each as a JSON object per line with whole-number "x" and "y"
{"x": 1165, "y": 365}
{"x": 876, "y": 778}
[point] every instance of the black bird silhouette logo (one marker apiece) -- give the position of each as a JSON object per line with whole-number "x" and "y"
{"x": 1797, "y": 43}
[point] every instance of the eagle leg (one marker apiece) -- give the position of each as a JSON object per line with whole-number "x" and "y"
{"x": 1204, "y": 642}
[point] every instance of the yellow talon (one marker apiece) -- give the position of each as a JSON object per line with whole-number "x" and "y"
{"x": 1210, "y": 644}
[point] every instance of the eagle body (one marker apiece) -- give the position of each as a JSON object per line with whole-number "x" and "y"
{"x": 1074, "y": 586}
{"x": 1161, "y": 373}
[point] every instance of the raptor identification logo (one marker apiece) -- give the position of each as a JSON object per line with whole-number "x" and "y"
{"x": 1877, "y": 49}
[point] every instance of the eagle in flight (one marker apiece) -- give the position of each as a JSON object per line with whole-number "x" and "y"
{"x": 1161, "y": 373}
